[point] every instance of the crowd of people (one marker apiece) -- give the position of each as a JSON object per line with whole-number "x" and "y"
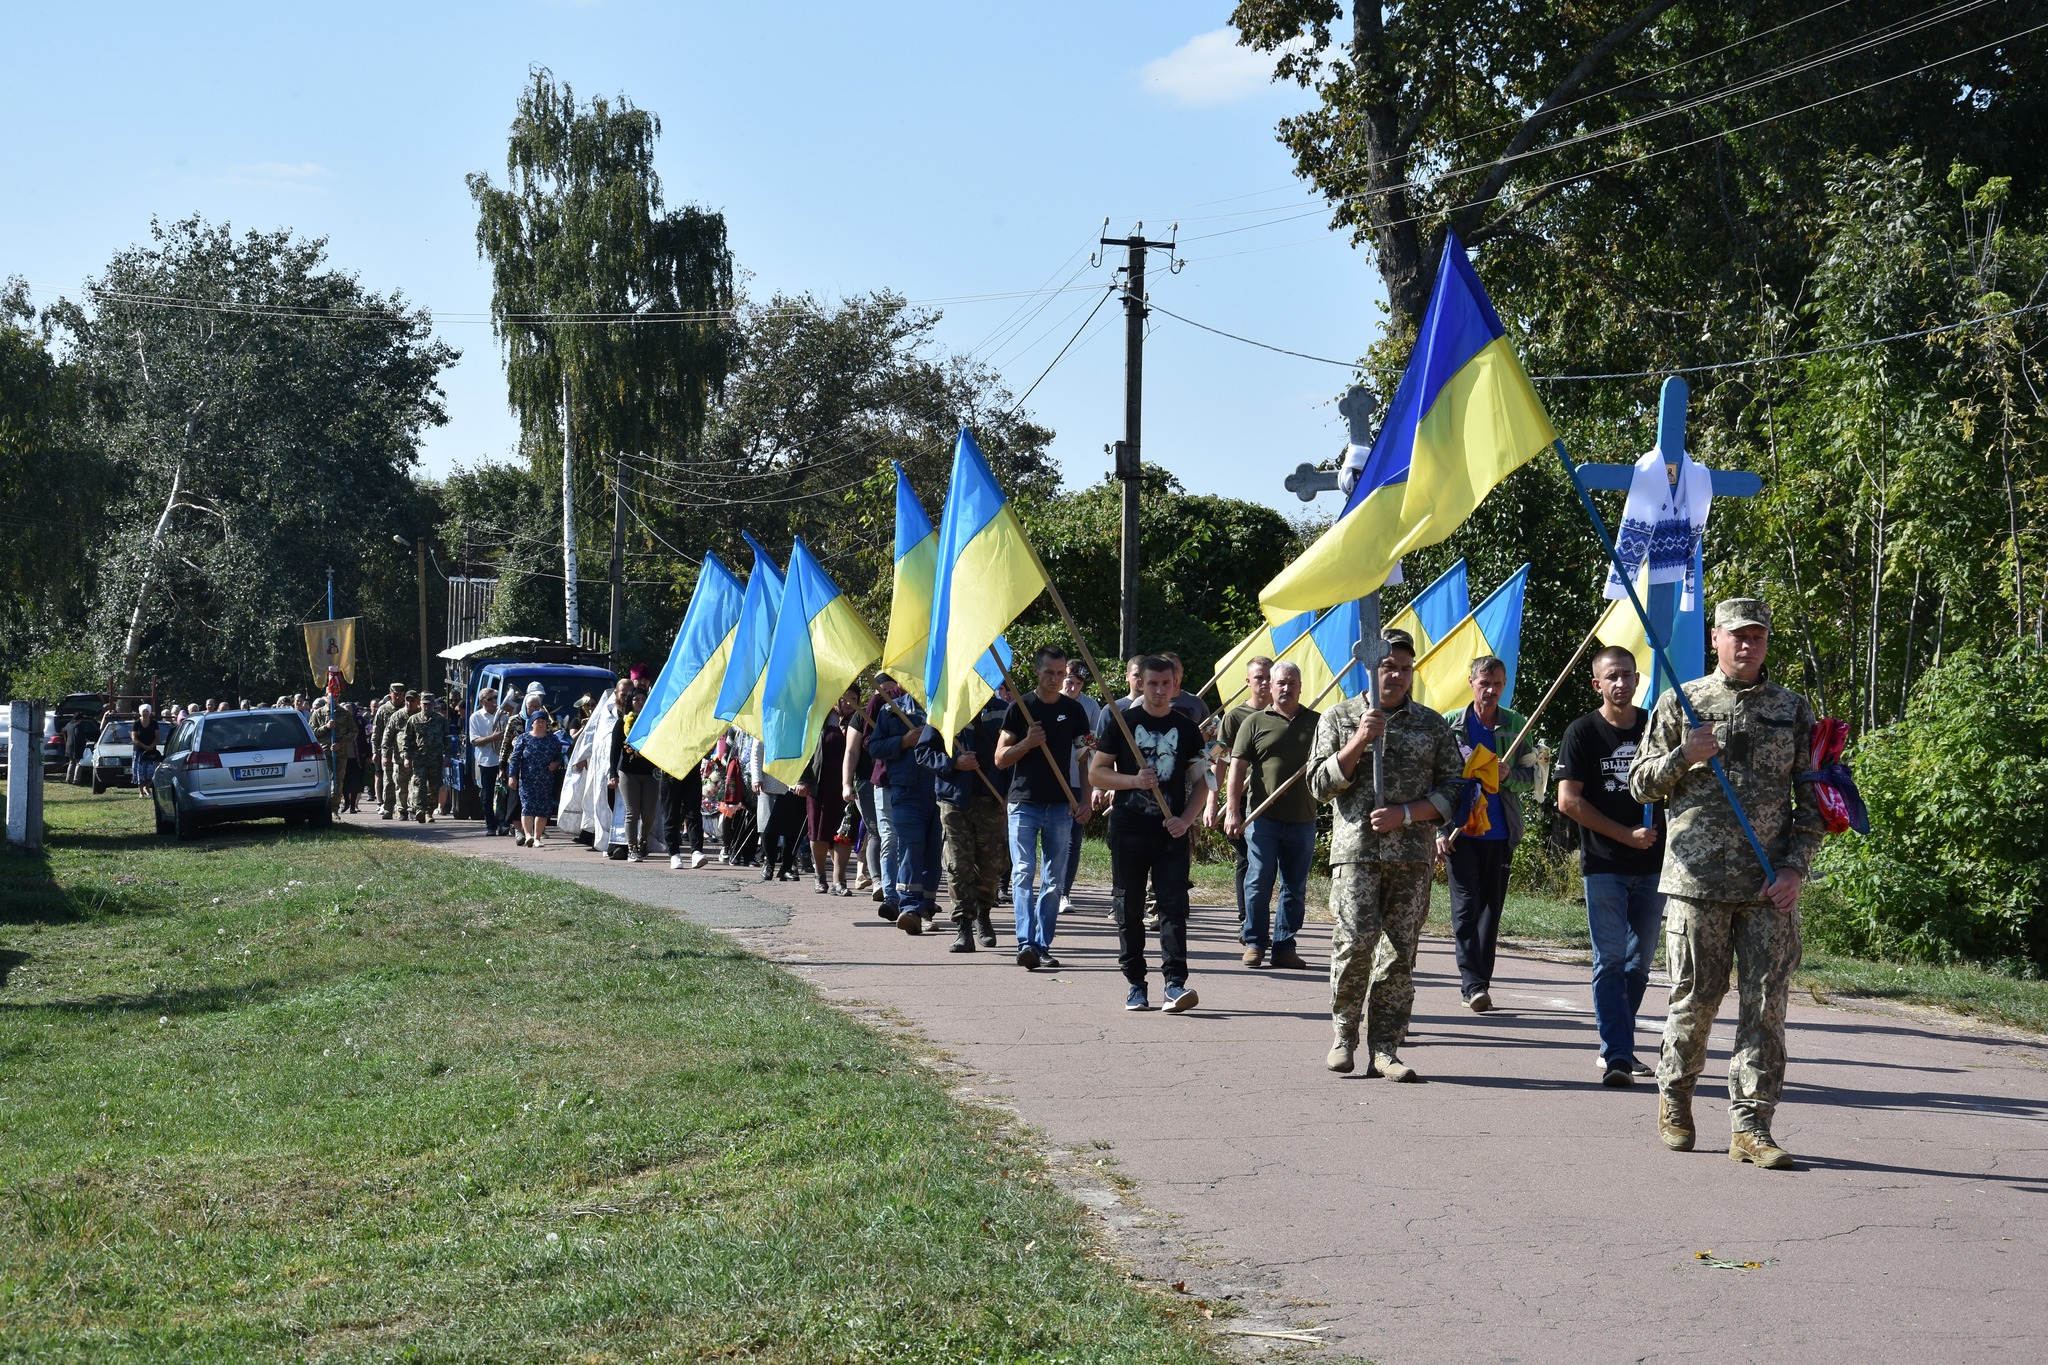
{"x": 886, "y": 805}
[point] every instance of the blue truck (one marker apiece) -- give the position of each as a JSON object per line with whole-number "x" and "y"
{"x": 511, "y": 664}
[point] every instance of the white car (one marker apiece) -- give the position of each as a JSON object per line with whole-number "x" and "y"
{"x": 111, "y": 760}
{"x": 240, "y": 765}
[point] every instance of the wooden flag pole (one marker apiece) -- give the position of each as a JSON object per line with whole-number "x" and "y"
{"x": 1059, "y": 770}
{"x": 915, "y": 726}
{"x": 1158, "y": 793}
{"x": 1288, "y": 785}
{"x": 1507, "y": 755}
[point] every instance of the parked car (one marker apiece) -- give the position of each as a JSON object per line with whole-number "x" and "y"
{"x": 113, "y": 756}
{"x": 88, "y": 705}
{"x": 240, "y": 765}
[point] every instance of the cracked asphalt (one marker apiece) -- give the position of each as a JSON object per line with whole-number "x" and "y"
{"x": 1510, "y": 1209}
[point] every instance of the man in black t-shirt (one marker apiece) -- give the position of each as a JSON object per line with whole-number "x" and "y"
{"x": 1037, "y": 741}
{"x": 1148, "y": 840}
{"x": 1621, "y": 853}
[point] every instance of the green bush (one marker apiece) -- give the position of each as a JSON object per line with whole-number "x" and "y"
{"x": 1956, "y": 862}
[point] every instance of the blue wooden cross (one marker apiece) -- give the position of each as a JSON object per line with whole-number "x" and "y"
{"x": 1683, "y": 632}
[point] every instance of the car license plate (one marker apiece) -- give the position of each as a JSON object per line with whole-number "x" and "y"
{"x": 267, "y": 770}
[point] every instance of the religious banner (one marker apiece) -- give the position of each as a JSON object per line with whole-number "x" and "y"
{"x": 331, "y": 642}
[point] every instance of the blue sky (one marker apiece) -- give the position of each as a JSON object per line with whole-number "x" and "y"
{"x": 942, "y": 150}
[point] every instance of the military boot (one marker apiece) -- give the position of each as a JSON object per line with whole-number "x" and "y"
{"x": 1754, "y": 1145}
{"x": 1393, "y": 1068}
{"x": 963, "y": 942}
{"x": 984, "y": 930}
{"x": 1674, "y": 1121}
{"x": 1342, "y": 1052}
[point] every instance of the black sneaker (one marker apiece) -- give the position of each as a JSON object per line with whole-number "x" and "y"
{"x": 1617, "y": 1075}
{"x": 1048, "y": 962}
{"x": 1027, "y": 958}
{"x": 888, "y": 911}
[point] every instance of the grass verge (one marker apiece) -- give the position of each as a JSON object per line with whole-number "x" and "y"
{"x": 286, "y": 1095}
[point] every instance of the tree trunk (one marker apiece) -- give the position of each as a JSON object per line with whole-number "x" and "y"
{"x": 571, "y": 625}
{"x": 132, "y": 649}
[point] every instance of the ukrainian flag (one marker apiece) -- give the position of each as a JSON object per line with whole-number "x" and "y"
{"x": 676, "y": 728}
{"x": 820, "y": 646}
{"x": 1432, "y": 613}
{"x": 1619, "y": 625}
{"x": 1463, "y": 418}
{"x": 1494, "y": 627}
{"x": 1319, "y": 646}
{"x": 739, "y": 695}
{"x": 910, "y": 599}
{"x": 985, "y": 574}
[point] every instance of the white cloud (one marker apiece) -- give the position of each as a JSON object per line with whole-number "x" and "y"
{"x": 1209, "y": 68}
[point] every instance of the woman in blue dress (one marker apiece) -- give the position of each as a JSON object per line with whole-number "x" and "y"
{"x": 536, "y": 758}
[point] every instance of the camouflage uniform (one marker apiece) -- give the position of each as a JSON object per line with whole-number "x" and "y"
{"x": 384, "y": 753}
{"x": 335, "y": 728}
{"x": 1715, "y": 914}
{"x": 976, "y": 833}
{"x": 1379, "y": 883}
{"x": 399, "y": 790}
{"x": 424, "y": 744}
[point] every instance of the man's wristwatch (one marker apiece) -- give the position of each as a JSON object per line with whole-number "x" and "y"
{"x": 1407, "y": 815}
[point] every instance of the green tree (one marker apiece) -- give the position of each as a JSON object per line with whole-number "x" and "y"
{"x": 1955, "y": 865}
{"x": 285, "y": 403}
{"x": 614, "y": 314}
{"x": 52, "y": 487}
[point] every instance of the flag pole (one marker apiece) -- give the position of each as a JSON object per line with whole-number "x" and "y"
{"x": 1278, "y": 655}
{"x": 1571, "y": 468}
{"x": 1058, "y": 769}
{"x": 1060, "y": 603}
{"x": 915, "y": 726}
{"x": 1508, "y": 754}
{"x": 1288, "y": 785}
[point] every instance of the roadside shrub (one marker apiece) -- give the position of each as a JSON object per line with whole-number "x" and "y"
{"x": 1956, "y": 862}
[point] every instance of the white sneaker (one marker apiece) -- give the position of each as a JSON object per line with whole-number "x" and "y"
{"x": 675, "y": 862}
{"x": 1066, "y": 905}
{"x": 698, "y": 860}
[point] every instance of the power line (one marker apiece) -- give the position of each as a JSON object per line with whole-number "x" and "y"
{"x": 1338, "y": 200}
{"x": 1106, "y": 295}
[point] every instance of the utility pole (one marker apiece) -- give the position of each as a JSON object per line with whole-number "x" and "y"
{"x": 419, "y": 548}
{"x": 570, "y": 622}
{"x": 1129, "y": 466}
{"x": 618, "y": 553}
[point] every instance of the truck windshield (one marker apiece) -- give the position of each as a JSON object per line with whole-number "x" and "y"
{"x": 561, "y": 692}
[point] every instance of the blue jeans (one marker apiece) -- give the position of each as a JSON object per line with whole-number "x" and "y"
{"x": 1073, "y": 859}
{"x": 1281, "y": 849}
{"x": 915, "y": 820}
{"x": 891, "y": 849}
{"x": 1623, "y": 915}
{"x": 1036, "y": 826}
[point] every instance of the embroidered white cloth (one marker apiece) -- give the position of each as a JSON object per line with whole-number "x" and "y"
{"x": 1663, "y": 525}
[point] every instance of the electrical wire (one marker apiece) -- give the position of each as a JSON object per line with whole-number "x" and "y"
{"x": 1852, "y": 47}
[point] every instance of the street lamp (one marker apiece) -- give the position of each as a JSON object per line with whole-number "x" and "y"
{"x": 419, "y": 549}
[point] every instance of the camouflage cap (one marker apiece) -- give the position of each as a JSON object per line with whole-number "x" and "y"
{"x": 1733, "y": 612}
{"x": 412, "y": 695}
{"x": 397, "y": 687}
{"x": 1394, "y": 636}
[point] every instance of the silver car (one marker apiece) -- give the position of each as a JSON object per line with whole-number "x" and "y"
{"x": 240, "y": 765}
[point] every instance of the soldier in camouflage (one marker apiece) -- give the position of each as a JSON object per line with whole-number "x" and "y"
{"x": 392, "y": 752}
{"x": 976, "y": 823}
{"x": 423, "y": 744}
{"x": 1381, "y": 858}
{"x": 1718, "y": 910}
{"x": 390, "y": 711}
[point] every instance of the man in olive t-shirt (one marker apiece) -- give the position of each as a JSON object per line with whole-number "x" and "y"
{"x": 1271, "y": 748}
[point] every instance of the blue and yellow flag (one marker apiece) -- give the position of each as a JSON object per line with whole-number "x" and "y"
{"x": 820, "y": 646}
{"x": 985, "y": 575}
{"x": 1463, "y": 418}
{"x": 1319, "y": 647}
{"x": 739, "y": 693}
{"x": 1431, "y": 613}
{"x": 1495, "y": 627}
{"x": 1619, "y": 625}
{"x": 910, "y": 600}
{"x": 676, "y": 728}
